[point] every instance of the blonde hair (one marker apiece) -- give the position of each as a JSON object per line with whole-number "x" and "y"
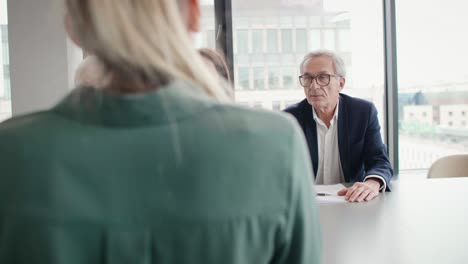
{"x": 141, "y": 40}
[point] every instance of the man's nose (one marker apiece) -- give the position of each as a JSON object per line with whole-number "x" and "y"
{"x": 314, "y": 85}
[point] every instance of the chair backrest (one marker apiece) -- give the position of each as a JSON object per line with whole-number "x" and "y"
{"x": 449, "y": 166}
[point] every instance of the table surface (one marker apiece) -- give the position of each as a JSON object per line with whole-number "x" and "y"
{"x": 420, "y": 221}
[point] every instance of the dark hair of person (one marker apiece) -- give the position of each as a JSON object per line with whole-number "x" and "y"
{"x": 218, "y": 61}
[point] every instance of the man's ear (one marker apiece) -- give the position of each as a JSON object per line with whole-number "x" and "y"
{"x": 70, "y": 31}
{"x": 193, "y": 15}
{"x": 342, "y": 83}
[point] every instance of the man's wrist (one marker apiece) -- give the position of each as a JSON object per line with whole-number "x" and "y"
{"x": 374, "y": 183}
{"x": 380, "y": 179}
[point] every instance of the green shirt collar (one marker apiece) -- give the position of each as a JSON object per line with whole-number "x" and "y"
{"x": 170, "y": 103}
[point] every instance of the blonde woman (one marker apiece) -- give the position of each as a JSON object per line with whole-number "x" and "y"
{"x": 153, "y": 167}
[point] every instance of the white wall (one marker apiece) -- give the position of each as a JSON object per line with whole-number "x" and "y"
{"x": 42, "y": 61}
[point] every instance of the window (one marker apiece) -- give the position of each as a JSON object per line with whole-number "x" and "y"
{"x": 444, "y": 89}
{"x": 242, "y": 42}
{"x": 301, "y": 41}
{"x": 272, "y": 43}
{"x": 344, "y": 40}
{"x": 257, "y": 41}
{"x": 273, "y": 78}
{"x": 259, "y": 78}
{"x": 244, "y": 78}
{"x": 5, "y": 86}
{"x": 315, "y": 39}
{"x": 289, "y": 77}
{"x": 286, "y": 40}
{"x": 329, "y": 39}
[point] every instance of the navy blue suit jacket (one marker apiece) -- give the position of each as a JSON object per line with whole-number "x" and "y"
{"x": 362, "y": 151}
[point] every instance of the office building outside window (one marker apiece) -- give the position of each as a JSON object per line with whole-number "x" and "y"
{"x": 315, "y": 39}
{"x": 259, "y": 78}
{"x": 242, "y": 42}
{"x": 243, "y": 76}
{"x": 432, "y": 79}
{"x": 301, "y": 41}
{"x": 272, "y": 40}
{"x": 286, "y": 43}
{"x": 257, "y": 41}
{"x": 273, "y": 78}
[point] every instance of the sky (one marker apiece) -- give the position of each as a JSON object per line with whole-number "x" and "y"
{"x": 431, "y": 40}
{"x": 432, "y": 45}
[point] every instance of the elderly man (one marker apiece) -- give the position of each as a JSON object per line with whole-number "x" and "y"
{"x": 343, "y": 133}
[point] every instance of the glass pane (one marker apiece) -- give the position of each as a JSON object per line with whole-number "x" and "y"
{"x": 259, "y": 78}
{"x": 244, "y": 78}
{"x": 432, "y": 81}
{"x": 257, "y": 41}
{"x": 286, "y": 40}
{"x": 242, "y": 42}
{"x": 272, "y": 43}
{"x": 329, "y": 39}
{"x": 340, "y": 25}
{"x": 273, "y": 78}
{"x": 206, "y": 37}
{"x": 315, "y": 39}
{"x": 343, "y": 40}
{"x": 289, "y": 77}
{"x": 301, "y": 41}
{"x": 5, "y": 87}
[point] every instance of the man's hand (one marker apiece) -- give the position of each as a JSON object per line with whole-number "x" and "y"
{"x": 361, "y": 191}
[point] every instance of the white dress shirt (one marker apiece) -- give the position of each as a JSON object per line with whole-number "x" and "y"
{"x": 329, "y": 169}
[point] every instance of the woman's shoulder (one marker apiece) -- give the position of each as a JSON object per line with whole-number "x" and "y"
{"x": 267, "y": 122}
{"x": 27, "y": 125}
{"x": 24, "y": 121}
{"x": 261, "y": 117}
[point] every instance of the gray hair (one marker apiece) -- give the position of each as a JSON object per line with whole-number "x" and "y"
{"x": 338, "y": 62}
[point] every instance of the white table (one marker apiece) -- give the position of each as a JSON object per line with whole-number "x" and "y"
{"x": 420, "y": 221}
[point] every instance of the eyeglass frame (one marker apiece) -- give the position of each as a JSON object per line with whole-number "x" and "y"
{"x": 316, "y": 79}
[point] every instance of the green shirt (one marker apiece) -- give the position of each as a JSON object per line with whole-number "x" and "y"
{"x": 168, "y": 176}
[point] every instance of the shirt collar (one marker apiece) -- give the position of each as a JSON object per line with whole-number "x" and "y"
{"x": 168, "y": 104}
{"x": 335, "y": 115}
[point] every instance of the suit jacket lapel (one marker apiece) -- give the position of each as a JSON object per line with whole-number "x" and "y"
{"x": 342, "y": 138}
{"x": 311, "y": 135}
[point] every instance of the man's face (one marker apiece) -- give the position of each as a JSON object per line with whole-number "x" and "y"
{"x": 322, "y": 96}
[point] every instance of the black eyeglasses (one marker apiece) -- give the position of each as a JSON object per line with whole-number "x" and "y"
{"x": 321, "y": 79}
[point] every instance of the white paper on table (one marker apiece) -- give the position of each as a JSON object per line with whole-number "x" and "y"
{"x": 331, "y": 191}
